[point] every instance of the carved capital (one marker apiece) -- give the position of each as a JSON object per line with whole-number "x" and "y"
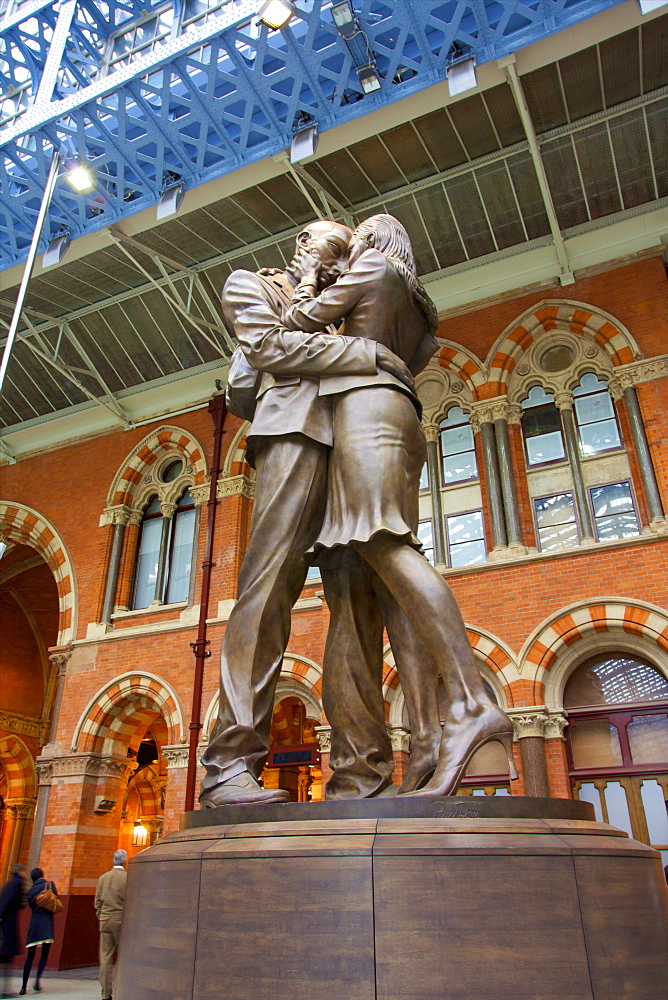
{"x": 20, "y": 808}
{"x": 59, "y": 656}
{"x": 555, "y": 725}
{"x": 431, "y": 431}
{"x": 232, "y": 485}
{"x": 135, "y": 517}
{"x": 489, "y": 410}
{"x": 563, "y": 399}
{"x": 44, "y": 770}
{"x": 200, "y": 494}
{"x": 167, "y": 509}
{"x": 91, "y": 766}
{"x": 324, "y": 737}
{"x": 176, "y": 756}
{"x": 119, "y": 514}
{"x": 529, "y": 721}
{"x": 400, "y": 738}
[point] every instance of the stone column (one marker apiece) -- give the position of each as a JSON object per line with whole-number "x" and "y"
{"x": 656, "y": 511}
{"x": 128, "y": 559}
{"x": 167, "y": 510}
{"x": 323, "y": 734}
{"x": 119, "y": 517}
{"x": 176, "y": 757}
{"x": 19, "y": 811}
{"x": 482, "y": 419}
{"x": 432, "y": 432}
{"x": 564, "y": 402}
{"x": 503, "y": 413}
{"x": 529, "y": 725}
{"x": 59, "y": 656}
{"x": 44, "y": 779}
{"x": 400, "y": 738}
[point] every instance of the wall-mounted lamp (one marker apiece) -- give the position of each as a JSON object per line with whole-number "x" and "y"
{"x": 304, "y": 143}
{"x": 79, "y": 176}
{"x": 170, "y": 201}
{"x": 139, "y": 834}
{"x": 276, "y": 13}
{"x": 56, "y": 250}
{"x": 649, "y": 6}
{"x": 369, "y": 78}
{"x": 460, "y": 70}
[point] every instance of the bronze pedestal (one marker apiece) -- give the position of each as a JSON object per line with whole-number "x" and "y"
{"x": 425, "y": 899}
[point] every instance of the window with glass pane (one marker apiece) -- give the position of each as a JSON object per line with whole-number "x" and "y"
{"x": 181, "y": 550}
{"x": 148, "y": 553}
{"x": 541, "y": 427}
{"x": 614, "y": 512}
{"x": 426, "y": 535}
{"x": 595, "y": 416}
{"x": 555, "y": 520}
{"x": 424, "y": 477}
{"x": 466, "y": 538}
{"x": 199, "y": 11}
{"x": 141, "y": 38}
{"x": 595, "y": 743}
{"x": 614, "y": 680}
{"x": 457, "y": 448}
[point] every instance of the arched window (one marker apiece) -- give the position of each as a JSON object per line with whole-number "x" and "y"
{"x": 541, "y": 428}
{"x": 595, "y": 417}
{"x": 165, "y": 551}
{"x": 458, "y": 456}
{"x": 617, "y": 742}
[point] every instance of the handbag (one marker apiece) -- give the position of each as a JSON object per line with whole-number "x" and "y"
{"x": 48, "y": 900}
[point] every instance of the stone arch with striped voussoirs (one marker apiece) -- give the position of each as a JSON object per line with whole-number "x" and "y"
{"x": 580, "y": 319}
{"x": 578, "y": 631}
{"x": 299, "y": 677}
{"x": 19, "y": 767}
{"x": 148, "y": 787}
{"x": 121, "y": 706}
{"x": 161, "y": 445}
{"x": 24, "y": 526}
{"x": 235, "y": 462}
{"x": 465, "y": 370}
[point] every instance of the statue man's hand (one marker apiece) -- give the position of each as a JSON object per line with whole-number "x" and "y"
{"x": 305, "y": 267}
{"x": 389, "y": 362}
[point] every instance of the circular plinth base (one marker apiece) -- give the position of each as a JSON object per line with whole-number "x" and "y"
{"x": 409, "y": 907}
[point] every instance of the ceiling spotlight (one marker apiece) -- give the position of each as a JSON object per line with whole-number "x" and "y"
{"x": 276, "y": 13}
{"x": 56, "y": 250}
{"x": 79, "y": 176}
{"x": 649, "y": 6}
{"x": 369, "y": 79}
{"x": 304, "y": 143}
{"x": 170, "y": 201}
{"x": 460, "y": 70}
{"x": 344, "y": 19}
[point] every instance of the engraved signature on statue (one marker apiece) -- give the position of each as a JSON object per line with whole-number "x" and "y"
{"x": 459, "y": 811}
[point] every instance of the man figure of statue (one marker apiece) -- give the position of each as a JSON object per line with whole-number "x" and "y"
{"x": 289, "y": 442}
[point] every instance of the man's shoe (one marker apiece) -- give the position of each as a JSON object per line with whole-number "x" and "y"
{"x": 242, "y": 789}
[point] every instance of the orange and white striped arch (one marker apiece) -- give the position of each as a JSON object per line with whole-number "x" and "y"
{"x": 235, "y": 463}
{"x": 19, "y": 768}
{"x": 163, "y": 441}
{"x": 614, "y": 625}
{"x": 578, "y": 318}
{"x": 118, "y": 710}
{"x": 462, "y": 364}
{"x": 25, "y": 526}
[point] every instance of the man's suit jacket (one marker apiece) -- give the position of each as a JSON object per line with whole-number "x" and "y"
{"x": 110, "y": 896}
{"x": 291, "y": 362}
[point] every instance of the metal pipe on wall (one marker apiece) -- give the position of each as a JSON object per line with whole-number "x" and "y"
{"x": 218, "y": 411}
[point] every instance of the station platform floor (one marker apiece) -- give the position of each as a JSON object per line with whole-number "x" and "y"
{"x": 75, "y": 984}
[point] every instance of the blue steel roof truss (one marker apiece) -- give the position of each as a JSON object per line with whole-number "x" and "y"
{"x": 201, "y": 102}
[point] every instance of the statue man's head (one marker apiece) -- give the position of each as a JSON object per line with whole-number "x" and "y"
{"x": 328, "y": 241}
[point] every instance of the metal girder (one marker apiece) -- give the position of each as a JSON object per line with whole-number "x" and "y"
{"x": 202, "y": 101}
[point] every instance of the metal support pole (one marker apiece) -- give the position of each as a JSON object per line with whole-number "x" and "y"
{"x": 644, "y": 454}
{"x": 30, "y": 263}
{"x": 218, "y": 411}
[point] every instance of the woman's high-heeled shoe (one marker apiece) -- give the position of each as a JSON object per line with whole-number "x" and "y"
{"x": 38, "y": 988}
{"x": 22, "y": 991}
{"x": 458, "y": 748}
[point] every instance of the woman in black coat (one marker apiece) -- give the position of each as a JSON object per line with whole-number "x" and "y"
{"x": 12, "y": 899}
{"x": 40, "y": 931}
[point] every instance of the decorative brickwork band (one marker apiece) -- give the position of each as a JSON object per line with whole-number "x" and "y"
{"x": 11, "y": 722}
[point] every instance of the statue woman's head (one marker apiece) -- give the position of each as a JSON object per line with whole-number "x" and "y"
{"x": 386, "y": 234}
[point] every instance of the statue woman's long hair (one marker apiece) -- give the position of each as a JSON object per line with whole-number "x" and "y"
{"x": 386, "y": 234}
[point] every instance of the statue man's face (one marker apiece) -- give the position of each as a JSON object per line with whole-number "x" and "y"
{"x": 329, "y": 242}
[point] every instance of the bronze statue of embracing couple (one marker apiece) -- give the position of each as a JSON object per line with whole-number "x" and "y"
{"x": 328, "y": 351}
